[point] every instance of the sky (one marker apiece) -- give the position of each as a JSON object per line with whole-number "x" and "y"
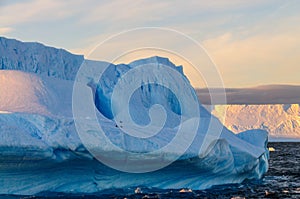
{"x": 250, "y": 42}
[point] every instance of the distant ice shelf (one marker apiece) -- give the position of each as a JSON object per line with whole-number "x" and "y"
{"x": 280, "y": 120}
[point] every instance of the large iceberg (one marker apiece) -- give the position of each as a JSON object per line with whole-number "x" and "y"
{"x": 44, "y": 149}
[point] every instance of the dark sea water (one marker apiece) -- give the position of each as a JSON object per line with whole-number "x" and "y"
{"x": 281, "y": 181}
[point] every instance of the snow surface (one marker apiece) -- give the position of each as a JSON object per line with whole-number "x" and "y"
{"x": 40, "y": 149}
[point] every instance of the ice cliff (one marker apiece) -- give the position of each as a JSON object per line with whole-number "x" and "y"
{"x": 36, "y": 58}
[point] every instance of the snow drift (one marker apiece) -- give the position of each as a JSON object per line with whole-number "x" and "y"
{"x": 30, "y": 93}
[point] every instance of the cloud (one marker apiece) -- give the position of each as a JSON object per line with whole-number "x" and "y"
{"x": 113, "y": 12}
{"x": 259, "y": 58}
{"x": 116, "y": 13}
{"x": 92, "y": 11}
{"x": 250, "y": 41}
{"x": 5, "y": 30}
{"x": 36, "y": 10}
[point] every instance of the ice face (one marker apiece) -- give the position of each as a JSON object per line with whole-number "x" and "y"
{"x": 149, "y": 93}
{"x": 162, "y": 92}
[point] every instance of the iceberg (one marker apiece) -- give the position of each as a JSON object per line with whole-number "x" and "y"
{"x": 47, "y": 145}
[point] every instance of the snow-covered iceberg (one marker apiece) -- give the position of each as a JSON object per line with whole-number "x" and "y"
{"x": 42, "y": 147}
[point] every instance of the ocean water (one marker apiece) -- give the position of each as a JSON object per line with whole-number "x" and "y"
{"x": 281, "y": 181}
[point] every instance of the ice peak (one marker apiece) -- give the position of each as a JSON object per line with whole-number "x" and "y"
{"x": 154, "y": 59}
